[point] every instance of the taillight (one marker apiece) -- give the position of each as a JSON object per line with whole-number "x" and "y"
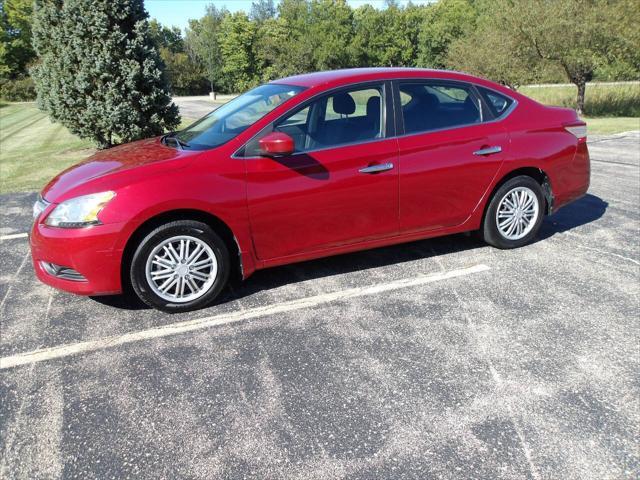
{"x": 579, "y": 131}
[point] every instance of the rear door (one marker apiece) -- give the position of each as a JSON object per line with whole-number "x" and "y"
{"x": 449, "y": 152}
{"x": 341, "y": 184}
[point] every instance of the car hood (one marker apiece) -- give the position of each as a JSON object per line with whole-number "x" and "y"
{"x": 143, "y": 154}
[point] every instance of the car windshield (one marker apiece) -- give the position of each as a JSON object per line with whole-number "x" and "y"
{"x": 233, "y": 118}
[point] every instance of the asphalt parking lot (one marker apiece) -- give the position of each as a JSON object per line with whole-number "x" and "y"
{"x": 443, "y": 358}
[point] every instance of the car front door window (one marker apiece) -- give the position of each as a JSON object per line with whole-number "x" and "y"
{"x": 340, "y": 118}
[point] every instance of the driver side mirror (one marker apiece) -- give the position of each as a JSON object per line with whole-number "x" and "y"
{"x": 276, "y": 144}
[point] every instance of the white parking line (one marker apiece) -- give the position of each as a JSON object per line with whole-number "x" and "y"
{"x": 226, "y": 318}
{"x": 13, "y": 236}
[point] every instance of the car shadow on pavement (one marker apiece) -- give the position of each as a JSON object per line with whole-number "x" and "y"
{"x": 585, "y": 210}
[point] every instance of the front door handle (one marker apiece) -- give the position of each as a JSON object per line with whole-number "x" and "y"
{"x": 488, "y": 151}
{"x": 382, "y": 167}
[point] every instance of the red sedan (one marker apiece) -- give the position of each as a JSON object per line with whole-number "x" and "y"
{"x": 305, "y": 167}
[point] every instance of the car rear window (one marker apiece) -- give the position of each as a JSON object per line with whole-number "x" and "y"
{"x": 498, "y": 103}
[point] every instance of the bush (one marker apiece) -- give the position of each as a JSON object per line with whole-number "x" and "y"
{"x": 20, "y": 90}
{"x": 99, "y": 73}
{"x": 621, "y": 100}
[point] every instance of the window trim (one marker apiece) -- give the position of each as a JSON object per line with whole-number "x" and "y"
{"x": 388, "y": 117}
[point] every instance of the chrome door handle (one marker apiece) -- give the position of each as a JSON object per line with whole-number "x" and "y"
{"x": 488, "y": 151}
{"x": 377, "y": 168}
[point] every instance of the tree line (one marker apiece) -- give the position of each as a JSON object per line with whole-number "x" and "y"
{"x": 107, "y": 72}
{"x": 513, "y": 42}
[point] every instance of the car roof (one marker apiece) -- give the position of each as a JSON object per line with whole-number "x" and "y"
{"x": 350, "y": 75}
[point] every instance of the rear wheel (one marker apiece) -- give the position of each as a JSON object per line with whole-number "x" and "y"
{"x": 180, "y": 266}
{"x": 515, "y": 213}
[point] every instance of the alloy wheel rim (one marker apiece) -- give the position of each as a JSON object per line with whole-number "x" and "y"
{"x": 517, "y": 213}
{"x": 181, "y": 269}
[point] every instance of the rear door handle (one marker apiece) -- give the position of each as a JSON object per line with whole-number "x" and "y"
{"x": 377, "y": 168}
{"x": 488, "y": 151}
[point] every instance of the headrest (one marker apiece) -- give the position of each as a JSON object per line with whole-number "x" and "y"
{"x": 343, "y": 104}
{"x": 373, "y": 107}
{"x": 428, "y": 100}
{"x": 468, "y": 102}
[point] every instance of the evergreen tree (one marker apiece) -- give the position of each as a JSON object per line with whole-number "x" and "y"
{"x": 99, "y": 73}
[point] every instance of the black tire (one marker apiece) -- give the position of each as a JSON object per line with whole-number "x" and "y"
{"x": 490, "y": 231}
{"x": 191, "y": 228}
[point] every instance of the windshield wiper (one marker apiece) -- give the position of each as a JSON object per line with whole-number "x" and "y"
{"x": 173, "y": 136}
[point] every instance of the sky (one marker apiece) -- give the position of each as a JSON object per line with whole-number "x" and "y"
{"x": 178, "y": 12}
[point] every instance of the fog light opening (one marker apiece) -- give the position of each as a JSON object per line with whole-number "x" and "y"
{"x": 62, "y": 272}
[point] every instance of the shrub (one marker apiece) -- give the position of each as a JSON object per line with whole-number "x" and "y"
{"x": 99, "y": 73}
{"x": 20, "y": 90}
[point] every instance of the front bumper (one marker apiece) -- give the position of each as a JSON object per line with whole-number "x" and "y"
{"x": 89, "y": 251}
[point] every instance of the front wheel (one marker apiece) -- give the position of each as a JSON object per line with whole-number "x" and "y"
{"x": 515, "y": 213}
{"x": 180, "y": 266}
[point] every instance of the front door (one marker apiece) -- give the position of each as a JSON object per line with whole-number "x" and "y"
{"x": 339, "y": 187}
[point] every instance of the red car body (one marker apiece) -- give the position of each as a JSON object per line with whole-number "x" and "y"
{"x": 278, "y": 211}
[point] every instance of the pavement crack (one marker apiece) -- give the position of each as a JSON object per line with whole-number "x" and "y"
{"x": 13, "y": 280}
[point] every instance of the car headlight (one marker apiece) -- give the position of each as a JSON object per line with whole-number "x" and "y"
{"x": 79, "y": 211}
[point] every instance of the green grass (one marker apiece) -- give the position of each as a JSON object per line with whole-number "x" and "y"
{"x": 185, "y": 122}
{"x": 33, "y": 150}
{"x": 601, "y": 100}
{"x": 609, "y": 125}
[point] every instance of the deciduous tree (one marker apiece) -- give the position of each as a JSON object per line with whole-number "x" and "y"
{"x": 262, "y": 10}
{"x": 202, "y": 41}
{"x": 387, "y": 37}
{"x": 16, "y": 51}
{"x": 444, "y": 22}
{"x": 166, "y": 37}
{"x": 235, "y": 38}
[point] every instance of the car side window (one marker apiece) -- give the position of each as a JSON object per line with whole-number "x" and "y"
{"x": 299, "y": 118}
{"x": 433, "y": 105}
{"x": 340, "y": 118}
{"x": 498, "y": 103}
{"x": 347, "y": 116}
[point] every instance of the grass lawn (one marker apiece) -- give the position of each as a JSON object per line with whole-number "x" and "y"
{"x": 609, "y": 108}
{"x": 186, "y": 122}
{"x": 32, "y": 149}
{"x": 601, "y": 100}
{"x": 609, "y": 125}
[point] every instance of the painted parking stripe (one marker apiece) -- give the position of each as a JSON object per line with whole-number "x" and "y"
{"x": 226, "y": 318}
{"x": 13, "y": 236}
